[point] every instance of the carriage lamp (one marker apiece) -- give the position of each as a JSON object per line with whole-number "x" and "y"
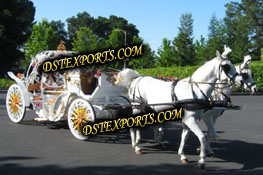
{"x": 19, "y": 75}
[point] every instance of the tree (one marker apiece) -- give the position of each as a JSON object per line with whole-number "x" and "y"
{"x": 216, "y": 37}
{"x": 75, "y": 23}
{"x": 185, "y": 51}
{"x": 237, "y": 30}
{"x": 121, "y": 23}
{"x": 45, "y": 36}
{"x": 85, "y": 41}
{"x": 62, "y": 34}
{"x": 166, "y": 54}
{"x": 254, "y": 11}
{"x": 102, "y": 27}
{"x": 116, "y": 39}
{"x": 16, "y": 21}
{"x": 201, "y": 50}
{"x": 147, "y": 60}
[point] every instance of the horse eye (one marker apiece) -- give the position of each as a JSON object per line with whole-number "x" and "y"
{"x": 244, "y": 76}
{"x": 226, "y": 68}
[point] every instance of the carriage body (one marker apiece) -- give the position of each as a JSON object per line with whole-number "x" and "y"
{"x": 78, "y": 95}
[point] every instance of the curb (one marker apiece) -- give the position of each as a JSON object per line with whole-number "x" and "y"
{"x": 3, "y": 91}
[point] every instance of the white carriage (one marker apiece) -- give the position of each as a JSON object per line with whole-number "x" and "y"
{"x": 80, "y": 95}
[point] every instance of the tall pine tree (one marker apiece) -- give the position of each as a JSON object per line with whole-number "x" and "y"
{"x": 237, "y": 30}
{"x": 201, "y": 50}
{"x": 254, "y": 11}
{"x": 216, "y": 37}
{"x": 184, "y": 46}
{"x": 166, "y": 54}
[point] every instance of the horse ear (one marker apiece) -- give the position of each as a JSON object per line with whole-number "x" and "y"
{"x": 218, "y": 55}
{"x": 247, "y": 60}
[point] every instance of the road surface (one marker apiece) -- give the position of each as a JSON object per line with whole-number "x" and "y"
{"x": 50, "y": 148}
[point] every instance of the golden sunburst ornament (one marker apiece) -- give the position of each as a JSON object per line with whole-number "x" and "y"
{"x": 79, "y": 118}
{"x": 14, "y": 103}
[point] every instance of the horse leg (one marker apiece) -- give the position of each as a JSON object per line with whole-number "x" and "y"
{"x": 158, "y": 134}
{"x": 138, "y": 135}
{"x": 211, "y": 134}
{"x": 135, "y": 133}
{"x": 214, "y": 122}
{"x": 192, "y": 125}
{"x": 184, "y": 137}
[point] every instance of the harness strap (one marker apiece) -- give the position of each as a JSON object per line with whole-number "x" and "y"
{"x": 174, "y": 97}
{"x": 202, "y": 92}
{"x": 228, "y": 98}
{"x": 134, "y": 91}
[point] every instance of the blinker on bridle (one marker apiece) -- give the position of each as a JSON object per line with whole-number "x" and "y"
{"x": 226, "y": 68}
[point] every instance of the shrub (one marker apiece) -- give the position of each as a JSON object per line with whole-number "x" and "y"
{"x": 183, "y": 72}
{"x": 5, "y": 83}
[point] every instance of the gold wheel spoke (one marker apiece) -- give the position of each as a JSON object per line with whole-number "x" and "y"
{"x": 79, "y": 117}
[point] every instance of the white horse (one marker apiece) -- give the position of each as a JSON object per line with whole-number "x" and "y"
{"x": 222, "y": 93}
{"x": 198, "y": 87}
{"x": 125, "y": 78}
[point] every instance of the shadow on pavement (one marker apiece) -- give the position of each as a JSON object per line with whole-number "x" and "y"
{"x": 247, "y": 154}
{"x": 162, "y": 169}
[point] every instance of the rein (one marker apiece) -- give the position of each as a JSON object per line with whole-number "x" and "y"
{"x": 208, "y": 100}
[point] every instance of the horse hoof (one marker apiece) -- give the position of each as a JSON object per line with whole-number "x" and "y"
{"x": 201, "y": 166}
{"x": 184, "y": 161}
{"x": 138, "y": 152}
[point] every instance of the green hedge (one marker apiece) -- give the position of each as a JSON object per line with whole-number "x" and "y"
{"x": 257, "y": 69}
{"x": 183, "y": 72}
{"x": 5, "y": 83}
{"x": 176, "y": 71}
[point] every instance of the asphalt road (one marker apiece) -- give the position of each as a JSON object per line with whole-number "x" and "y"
{"x": 50, "y": 148}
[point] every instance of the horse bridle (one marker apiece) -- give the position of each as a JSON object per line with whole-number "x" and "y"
{"x": 245, "y": 77}
{"x": 226, "y": 68}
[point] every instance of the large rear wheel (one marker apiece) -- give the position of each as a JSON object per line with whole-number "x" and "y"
{"x": 80, "y": 113}
{"x": 15, "y": 103}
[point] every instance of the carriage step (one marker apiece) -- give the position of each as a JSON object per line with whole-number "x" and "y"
{"x": 38, "y": 119}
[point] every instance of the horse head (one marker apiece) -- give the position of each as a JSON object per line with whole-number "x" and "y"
{"x": 227, "y": 69}
{"x": 247, "y": 75}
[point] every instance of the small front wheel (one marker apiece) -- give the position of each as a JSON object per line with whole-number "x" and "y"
{"x": 15, "y": 103}
{"x": 80, "y": 113}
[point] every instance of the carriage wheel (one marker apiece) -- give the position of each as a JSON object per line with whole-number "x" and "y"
{"x": 80, "y": 113}
{"x": 15, "y": 103}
